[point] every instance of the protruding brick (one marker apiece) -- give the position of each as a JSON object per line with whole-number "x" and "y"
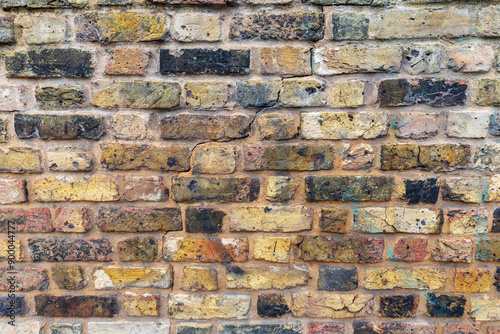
{"x": 424, "y": 58}
{"x": 199, "y": 279}
{"x": 271, "y": 219}
{"x": 26, "y": 220}
{"x": 138, "y": 249}
{"x": 199, "y": 189}
{"x": 337, "y": 278}
{"x": 272, "y": 249}
{"x": 130, "y": 126}
{"x": 70, "y": 159}
{"x": 72, "y": 220}
{"x": 197, "y": 27}
{"x": 471, "y": 58}
{"x": 13, "y": 191}
{"x": 43, "y": 29}
{"x": 76, "y": 306}
{"x": 332, "y": 305}
{"x": 302, "y": 92}
{"x": 206, "y": 94}
{"x": 266, "y": 277}
{"x": 399, "y": 306}
{"x": 280, "y": 188}
{"x": 136, "y": 305}
{"x": 416, "y": 125}
{"x": 278, "y": 126}
{"x": 69, "y": 277}
{"x": 464, "y": 189}
{"x": 445, "y": 305}
{"x": 409, "y": 250}
{"x": 468, "y": 124}
{"x": 485, "y": 308}
{"x": 134, "y": 277}
{"x": 472, "y": 280}
{"x": 214, "y": 159}
{"x": 20, "y": 160}
{"x": 211, "y": 249}
{"x": 57, "y": 249}
{"x": 201, "y": 306}
{"x": 420, "y": 191}
{"x": 142, "y": 219}
{"x": 127, "y": 61}
{"x": 285, "y": 60}
{"x": 93, "y": 189}
{"x": 26, "y": 279}
{"x": 272, "y": 305}
{"x": 59, "y": 97}
{"x": 204, "y": 220}
{"x": 453, "y": 250}
{"x": 421, "y": 278}
{"x": 258, "y": 93}
{"x": 468, "y": 221}
{"x": 348, "y": 250}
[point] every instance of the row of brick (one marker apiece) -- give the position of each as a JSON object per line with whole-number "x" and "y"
{"x": 106, "y": 27}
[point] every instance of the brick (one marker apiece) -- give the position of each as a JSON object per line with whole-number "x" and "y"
{"x": 16, "y": 250}
{"x": 399, "y": 306}
{"x": 272, "y": 249}
{"x": 421, "y": 23}
{"x": 187, "y": 27}
{"x": 135, "y": 305}
{"x": 485, "y": 308}
{"x": 12, "y": 307}
{"x": 140, "y": 219}
{"x": 302, "y": 92}
{"x": 93, "y": 189}
{"x": 331, "y": 305}
{"x": 4, "y": 136}
{"x": 467, "y": 190}
{"x": 69, "y": 277}
{"x": 20, "y": 160}
{"x": 420, "y": 191}
{"x": 57, "y": 249}
{"x": 307, "y": 26}
{"x": 76, "y": 306}
{"x": 365, "y": 327}
{"x": 278, "y": 126}
{"x": 356, "y": 59}
{"x": 468, "y": 124}
{"x": 471, "y": 58}
{"x": 468, "y": 221}
{"x": 26, "y": 220}
{"x": 23, "y": 327}
{"x": 136, "y": 277}
{"x": 128, "y": 327}
{"x": 272, "y": 305}
{"x": 416, "y": 125}
{"x": 424, "y": 58}
{"x": 497, "y": 279}
{"x": 13, "y": 98}
{"x": 347, "y": 94}
{"x": 59, "y": 97}
{"x": 493, "y": 190}
{"x": 127, "y": 61}
{"x": 337, "y": 278}
{"x": 135, "y": 157}
{"x": 495, "y": 226}
{"x": 289, "y": 328}
{"x": 357, "y": 157}
{"x": 421, "y": 278}
{"x": 271, "y": 219}
{"x": 206, "y": 94}
{"x": 486, "y": 157}
{"x": 70, "y": 159}
{"x": 205, "y": 61}
{"x": 441, "y": 305}
{"x": 26, "y": 279}
{"x": 130, "y": 126}
{"x": 266, "y": 277}
{"x": 349, "y": 188}
{"x": 114, "y": 2}
{"x": 258, "y": 93}
{"x": 49, "y": 127}
{"x": 210, "y": 249}
{"x": 136, "y": 94}
{"x": 45, "y": 4}
{"x": 296, "y": 157}
{"x": 398, "y": 220}
{"x": 461, "y": 329}
{"x": 212, "y": 306}
{"x": 194, "y": 328}
{"x": 193, "y": 2}
{"x": 487, "y": 24}
{"x": 488, "y": 93}
{"x": 437, "y": 93}
{"x": 344, "y": 125}
{"x": 409, "y": 250}
{"x": 346, "y": 250}
{"x": 439, "y": 157}
{"x": 43, "y": 29}
{"x": 7, "y": 34}
{"x": 325, "y": 327}
{"x": 144, "y": 188}
{"x": 453, "y": 250}
{"x": 138, "y": 249}
{"x": 487, "y": 249}
{"x": 349, "y": 26}
{"x": 13, "y": 191}
{"x": 333, "y": 220}
{"x": 120, "y": 27}
{"x": 493, "y": 330}
{"x": 472, "y": 280}
{"x": 199, "y": 189}
{"x": 214, "y": 159}
{"x": 72, "y": 220}
{"x": 48, "y": 63}
{"x": 204, "y": 220}
{"x": 285, "y": 60}
{"x": 65, "y": 328}
{"x": 280, "y": 188}
{"x": 199, "y": 279}
{"x": 200, "y": 126}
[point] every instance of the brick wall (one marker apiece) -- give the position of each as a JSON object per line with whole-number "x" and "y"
{"x": 250, "y": 167}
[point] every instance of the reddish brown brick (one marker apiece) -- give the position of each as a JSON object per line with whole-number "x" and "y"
{"x": 144, "y": 188}
{"x": 209, "y": 249}
{"x": 334, "y": 249}
{"x": 28, "y": 220}
{"x": 27, "y": 279}
{"x": 72, "y": 220}
{"x": 325, "y": 327}
{"x": 58, "y": 249}
{"x": 127, "y": 61}
{"x": 13, "y": 191}
{"x": 409, "y": 250}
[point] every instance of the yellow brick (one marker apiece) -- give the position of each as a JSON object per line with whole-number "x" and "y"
{"x": 206, "y": 95}
{"x": 472, "y": 280}
{"x": 347, "y": 94}
{"x": 272, "y": 249}
{"x": 94, "y": 189}
{"x": 4, "y": 249}
{"x": 199, "y": 279}
{"x": 141, "y": 305}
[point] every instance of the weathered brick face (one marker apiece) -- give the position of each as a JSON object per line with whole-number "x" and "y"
{"x": 250, "y": 166}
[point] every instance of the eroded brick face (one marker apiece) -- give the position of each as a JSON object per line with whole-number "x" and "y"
{"x": 250, "y": 166}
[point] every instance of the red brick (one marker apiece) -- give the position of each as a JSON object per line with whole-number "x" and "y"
{"x": 27, "y": 279}
{"x": 461, "y": 329}
{"x": 72, "y": 220}
{"x": 127, "y": 61}
{"x": 13, "y": 191}
{"x": 57, "y": 249}
{"x": 410, "y": 250}
{"x": 29, "y": 220}
{"x": 144, "y": 188}
{"x": 325, "y": 328}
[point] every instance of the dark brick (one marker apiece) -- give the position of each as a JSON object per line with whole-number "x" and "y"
{"x": 258, "y": 93}
{"x": 488, "y": 92}
{"x": 438, "y": 93}
{"x": 375, "y": 327}
{"x": 138, "y": 249}
{"x": 399, "y": 306}
{"x": 337, "y": 278}
{"x": 290, "y": 328}
{"x": 7, "y": 29}
{"x": 287, "y": 26}
{"x": 199, "y": 189}
{"x": 69, "y": 277}
{"x": 45, "y": 4}
{"x": 58, "y": 96}
{"x": 76, "y": 306}
{"x": 488, "y": 249}
{"x": 58, "y": 249}
{"x": 192, "y": 2}
{"x": 272, "y": 305}
{"x": 445, "y": 305}
{"x": 193, "y": 329}
{"x": 349, "y": 188}
{"x": 204, "y": 220}
{"x": 349, "y": 26}
{"x": 497, "y": 279}
{"x": 204, "y": 61}
{"x": 421, "y": 191}
{"x": 59, "y": 126}
{"x": 129, "y": 219}
{"x": 348, "y": 250}
{"x": 325, "y": 328}
{"x": 15, "y": 306}
{"x": 26, "y": 220}
{"x": 197, "y": 126}
{"x": 48, "y": 63}
{"x": 333, "y": 220}
{"x": 496, "y": 221}
{"x": 495, "y": 125}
